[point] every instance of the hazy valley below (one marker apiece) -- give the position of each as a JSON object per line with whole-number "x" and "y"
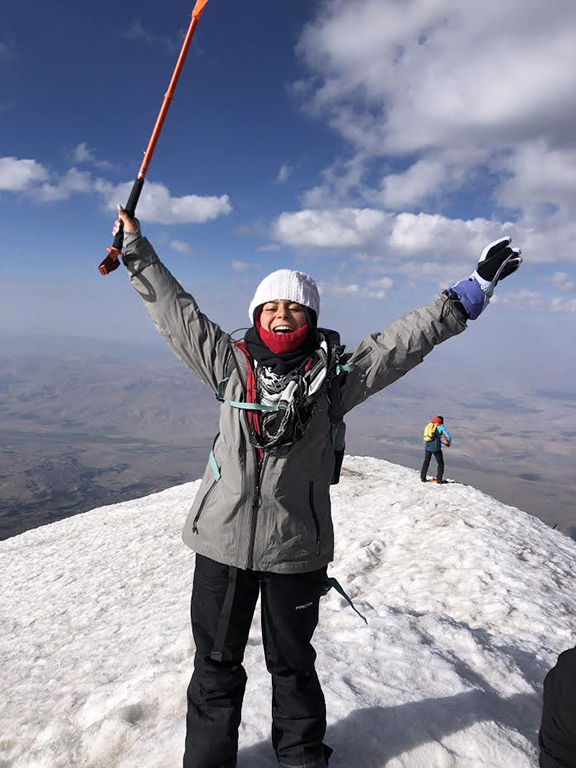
{"x": 87, "y": 424}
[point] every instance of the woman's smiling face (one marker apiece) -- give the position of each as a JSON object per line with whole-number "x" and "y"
{"x": 282, "y": 316}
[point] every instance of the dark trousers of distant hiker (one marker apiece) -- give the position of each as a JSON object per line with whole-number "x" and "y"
{"x": 439, "y": 460}
{"x": 557, "y": 736}
{"x": 223, "y": 603}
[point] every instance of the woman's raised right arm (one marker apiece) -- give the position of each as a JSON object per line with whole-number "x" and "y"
{"x": 197, "y": 341}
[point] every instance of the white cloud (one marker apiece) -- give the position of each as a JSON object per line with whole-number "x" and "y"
{"x": 73, "y": 182}
{"x": 382, "y": 283}
{"x": 284, "y": 173}
{"x": 444, "y": 272}
{"x": 82, "y": 153}
{"x": 426, "y": 234}
{"x": 377, "y": 289}
{"x": 463, "y": 92}
{"x": 33, "y": 179}
{"x": 337, "y": 288}
{"x": 157, "y": 204}
{"x": 344, "y": 228}
{"x": 385, "y": 238}
{"x": 372, "y": 289}
{"x": 552, "y": 241}
{"x": 340, "y": 180}
{"x": 563, "y": 282}
{"x": 180, "y": 246}
{"x": 523, "y": 300}
{"x": 424, "y": 179}
{"x": 20, "y": 175}
{"x": 400, "y": 77}
{"x": 405, "y": 234}
{"x": 539, "y": 175}
{"x": 561, "y": 304}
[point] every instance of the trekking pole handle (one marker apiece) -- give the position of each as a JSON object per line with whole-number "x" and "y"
{"x": 112, "y": 261}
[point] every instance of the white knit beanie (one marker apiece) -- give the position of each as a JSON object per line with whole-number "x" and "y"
{"x": 284, "y": 284}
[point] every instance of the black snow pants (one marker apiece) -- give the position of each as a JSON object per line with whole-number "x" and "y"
{"x": 557, "y": 736}
{"x": 439, "y": 460}
{"x": 223, "y": 604}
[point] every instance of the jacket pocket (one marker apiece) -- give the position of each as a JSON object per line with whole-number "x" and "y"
{"x": 314, "y": 515}
{"x": 202, "y": 505}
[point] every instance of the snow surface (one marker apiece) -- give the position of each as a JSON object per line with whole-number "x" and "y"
{"x": 468, "y": 600}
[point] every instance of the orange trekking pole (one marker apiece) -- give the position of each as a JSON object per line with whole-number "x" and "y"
{"x": 112, "y": 262}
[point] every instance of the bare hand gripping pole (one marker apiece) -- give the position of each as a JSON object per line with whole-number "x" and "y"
{"x": 112, "y": 262}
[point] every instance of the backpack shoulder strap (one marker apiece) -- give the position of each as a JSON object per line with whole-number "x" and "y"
{"x": 236, "y": 360}
{"x": 336, "y": 411}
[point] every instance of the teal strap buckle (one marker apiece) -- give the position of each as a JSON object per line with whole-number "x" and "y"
{"x": 252, "y": 406}
{"x": 344, "y": 368}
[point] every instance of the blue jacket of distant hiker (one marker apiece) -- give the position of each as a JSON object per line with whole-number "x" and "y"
{"x": 436, "y": 443}
{"x": 274, "y": 516}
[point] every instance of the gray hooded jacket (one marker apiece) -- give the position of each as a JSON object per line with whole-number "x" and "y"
{"x": 273, "y": 515}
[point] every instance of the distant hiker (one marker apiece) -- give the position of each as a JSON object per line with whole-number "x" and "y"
{"x": 557, "y": 736}
{"x": 435, "y": 436}
{"x": 261, "y": 521}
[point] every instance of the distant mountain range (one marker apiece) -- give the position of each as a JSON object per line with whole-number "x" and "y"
{"x": 80, "y": 431}
{"x": 86, "y": 423}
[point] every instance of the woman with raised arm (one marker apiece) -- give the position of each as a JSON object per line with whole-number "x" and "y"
{"x": 261, "y": 522}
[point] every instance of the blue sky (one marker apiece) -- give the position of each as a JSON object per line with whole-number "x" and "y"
{"x": 378, "y": 146}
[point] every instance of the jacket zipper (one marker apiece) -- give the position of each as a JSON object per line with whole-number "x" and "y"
{"x": 259, "y": 464}
{"x": 255, "y": 502}
{"x": 314, "y": 515}
{"x": 201, "y": 507}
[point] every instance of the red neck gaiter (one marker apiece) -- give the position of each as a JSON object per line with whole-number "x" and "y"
{"x": 280, "y": 343}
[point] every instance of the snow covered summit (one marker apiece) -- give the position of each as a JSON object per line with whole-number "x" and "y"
{"x": 468, "y": 602}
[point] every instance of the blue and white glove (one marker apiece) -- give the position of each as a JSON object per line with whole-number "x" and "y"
{"x": 498, "y": 260}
